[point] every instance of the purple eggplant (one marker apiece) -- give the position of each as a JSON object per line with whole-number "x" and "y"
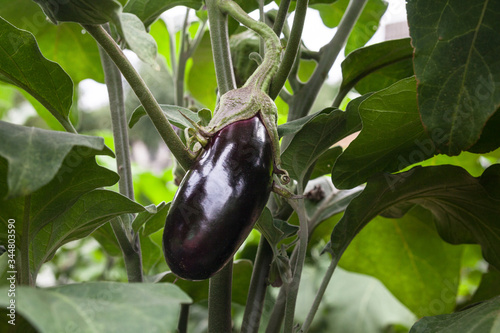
{"x": 219, "y": 200}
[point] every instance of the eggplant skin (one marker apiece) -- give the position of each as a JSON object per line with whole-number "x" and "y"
{"x": 219, "y": 200}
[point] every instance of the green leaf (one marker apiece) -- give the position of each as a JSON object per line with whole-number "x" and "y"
{"x": 81, "y": 11}
{"x": 410, "y": 259}
{"x": 392, "y": 137}
{"x": 332, "y": 201}
{"x": 315, "y": 137}
{"x": 273, "y": 229}
{"x": 325, "y": 162}
{"x": 201, "y": 80}
{"x": 366, "y": 25}
{"x": 149, "y": 10}
{"x": 106, "y": 237}
{"x": 22, "y": 64}
{"x": 490, "y": 136}
{"x": 198, "y": 290}
{"x": 138, "y": 40}
{"x": 352, "y": 302}
{"x": 296, "y": 125}
{"x": 35, "y": 155}
{"x": 75, "y": 51}
{"x": 152, "y": 255}
{"x": 152, "y": 221}
{"x": 488, "y": 288}
{"x": 175, "y": 114}
{"x": 482, "y": 318}
{"x": 466, "y": 209}
{"x": 457, "y": 67}
{"x": 92, "y": 210}
{"x": 378, "y": 66}
{"x": 101, "y": 307}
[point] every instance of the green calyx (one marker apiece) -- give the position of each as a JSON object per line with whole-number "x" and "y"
{"x": 252, "y": 99}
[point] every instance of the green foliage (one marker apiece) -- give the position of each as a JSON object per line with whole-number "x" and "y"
{"x": 482, "y": 318}
{"x": 465, "y": 47}
{"x": 22, "y": 64}
{"x": 410, "y": 206}
{"x": 101, "y": 306}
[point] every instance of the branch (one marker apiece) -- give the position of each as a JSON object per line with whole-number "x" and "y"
{"x": 113, "y": 79}
{"x": 291, "y": 49}
{"x": 220, "y": 48}
{"x": 307, "y": 95}
{"x": 219, "y": 300}
{"x": 153, "y": 109}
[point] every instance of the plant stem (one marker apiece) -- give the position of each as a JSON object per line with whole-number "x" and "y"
{"x": 301, "y": 256}
{"x": 153, "y": 109}
{"x": 319, "y": 294}
{"x": 183, "y": 318}
{"x": 130, "y": 248}
{"x": 220, "y": 48}
{"x": 258, "y": 286}
{"x": 291, "y": 49}
{"x": 113, "y": 79}
{"x": 219, "y": 300}
{"x": 24, "y": 271}
{"x": 281, "y": 16}
{"x": 307, "y": 95}
{"x": 262, "y": 76}
{"x": 181, "y": 67}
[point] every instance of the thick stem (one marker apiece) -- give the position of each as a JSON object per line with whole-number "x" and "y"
{"x": 258, "y": 287}
{"x": 262, "y": 76}
{"x": 181, "y": 68}
{"x": 220, "y": 48}
{"x": 24, "y": 271}
{"x": 291, "y": 297}
{"x": 183, "y": 319}
{"x": 219, "y": 300}
{"x": 307, "y": 95}
{"x": 145, "y": 96}
{"x": 320, "y": 293}
{"x": 131, "y": 253}
{"x": 130, "y": 248}
{"x": 291, "y": 49}
{"x": 281, "y": 16}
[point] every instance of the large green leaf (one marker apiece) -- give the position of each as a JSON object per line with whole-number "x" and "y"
{"x": 410, "y": 259}
{"x": 81, "y": 11}
{"x": 77, "y": 53}
{"x": 457, "y": 67}
{"x": 149, "y": 10}
{"x": 78, "y": 174}
{"x": 466, "y": 209}
{"x": 365, "y": 26}
{"x": 315, "y": 137}
{"x": 352, "y": 303}
{"x": 392, "y": 137}
{"x": 482, "y": 318}
{"x": 101, "y": 307}
{"x": 35, "y": 155}
{"x": 92, "y": 210}
{"x": 22, "y": 64}
{"x": 377, "y": 66}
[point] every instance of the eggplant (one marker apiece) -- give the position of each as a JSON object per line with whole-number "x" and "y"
{"x": 219, "y": 200}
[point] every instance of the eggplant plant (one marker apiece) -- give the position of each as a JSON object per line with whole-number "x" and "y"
{"x": 289, "y": 203}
